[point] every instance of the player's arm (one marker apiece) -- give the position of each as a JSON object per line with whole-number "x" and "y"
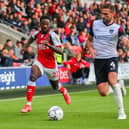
{"x": 56, "y": 47}
{"x": 89, "y": 43}
{"x": 90, "y": 46}
{"x": 29, "y": 42}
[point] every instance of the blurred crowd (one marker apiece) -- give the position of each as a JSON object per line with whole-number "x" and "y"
{"x": 70, "y": 19}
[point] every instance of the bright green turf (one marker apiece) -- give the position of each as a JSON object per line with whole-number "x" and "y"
{"x": 87, "y": 111}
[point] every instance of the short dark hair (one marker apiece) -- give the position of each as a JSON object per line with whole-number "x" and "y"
{"x": 8, "y": 40}
{"x": 108, "y": 6}
{"x": 45, "y": 17}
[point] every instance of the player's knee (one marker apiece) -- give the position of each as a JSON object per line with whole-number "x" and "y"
{"x": 33, "y": 77}
{"x": 54, "y": 84}
{"x": 54, "y": 87}
{"x": 103, "y": 93}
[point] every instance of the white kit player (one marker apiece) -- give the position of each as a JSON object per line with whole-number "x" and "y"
{"x": 47, "y": 45}
{"x": 102, "y": 44}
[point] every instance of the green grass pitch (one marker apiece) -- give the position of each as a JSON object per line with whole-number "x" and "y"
{"x": 88, "y": 110}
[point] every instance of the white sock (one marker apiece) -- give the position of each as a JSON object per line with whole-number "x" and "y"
{"x": 121, "y": 82}
{"x": 30, "y": 83}
{"x": 110, "y": 90}
{"x": 118, "y": 97}
{"x": 29, "y": 103}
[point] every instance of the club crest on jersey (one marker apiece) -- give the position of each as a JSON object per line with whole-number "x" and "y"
{"x": 111, "y": 31}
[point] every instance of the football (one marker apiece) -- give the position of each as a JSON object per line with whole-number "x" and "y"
{"x": 55, "y": 113}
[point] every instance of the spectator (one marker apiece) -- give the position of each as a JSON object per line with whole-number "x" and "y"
{"x": 127, "y": 56}
{"x": 6, "y": 60}
{"x": 8, "y": 45}
{"x": 73, "y": 38}
{"x": 3, "y": 17}
{"x": 25, "y": 27}
{"x": 23, "y": 41}
{"x": 68, "y": 52}
{"x": 87, "y": 56}
{"x": 78, "y": 68}
{"x": 35, "y": 22}
{"x": 54, "y": 23}
{"x": 2, "y": 6}
{"x": 38, "y": 9}
{"x": 17, "y": 6}
{"x": 12, "y": 4}
{"x": 23, "y": 10}
{"x": 18, "y": 48}
{"x": 83, "y": 36}
{"x": 81, "y": 24}
{"x": 19, "y": 21}
{"x": 12, "y": 54}
{"x": 1, "y": 48}
{"x": 28, "y": 55}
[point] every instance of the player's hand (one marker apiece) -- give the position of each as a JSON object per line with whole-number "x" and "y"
{"x": 45, "y": 42}
{"x": 93, "y": 53}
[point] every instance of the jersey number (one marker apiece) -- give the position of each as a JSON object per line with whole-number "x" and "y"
{"x": 113, "y": 66}
{"x": 55, "y": 74}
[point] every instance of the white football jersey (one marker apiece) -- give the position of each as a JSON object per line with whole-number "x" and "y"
{"x": 105, "y": 39}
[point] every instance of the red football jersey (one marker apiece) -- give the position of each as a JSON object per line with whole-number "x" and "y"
{"x": 45, "y": 55}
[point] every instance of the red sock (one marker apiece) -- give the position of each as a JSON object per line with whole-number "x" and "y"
{"x": 62, "y": 89}
{"x": 30, "y": 92}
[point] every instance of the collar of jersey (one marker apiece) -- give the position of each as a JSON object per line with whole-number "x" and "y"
{"x": 107, "y": 24}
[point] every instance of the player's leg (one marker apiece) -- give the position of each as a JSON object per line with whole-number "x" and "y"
{"x": 103, "y": 88}
{"x": 58, "y": 86}
{"x": 118, "y": 94}
{"x": 101, "y": 77}
{"x": 35, "y": 74}
{"x": 112, "y": 77}
{"x": 122, "y": 86}
{"x": 53, "y": 75}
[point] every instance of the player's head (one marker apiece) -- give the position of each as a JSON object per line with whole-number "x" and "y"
{"x": 107, "y": 13}
{"x": 45, "y": 24}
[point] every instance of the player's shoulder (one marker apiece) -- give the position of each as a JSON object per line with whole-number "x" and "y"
{"x": 116, "y": 25}
{"x": 34, "y": 34}
{"x": 99, "y": 21}
{"x": 51, "y": 32}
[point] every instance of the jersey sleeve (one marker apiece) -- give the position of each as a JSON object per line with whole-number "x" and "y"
{"x": 34, "y": 34}
{"x": 121, "y": 33}
{"x": 55, "y": 39}
{"x": 91, "y": 29}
